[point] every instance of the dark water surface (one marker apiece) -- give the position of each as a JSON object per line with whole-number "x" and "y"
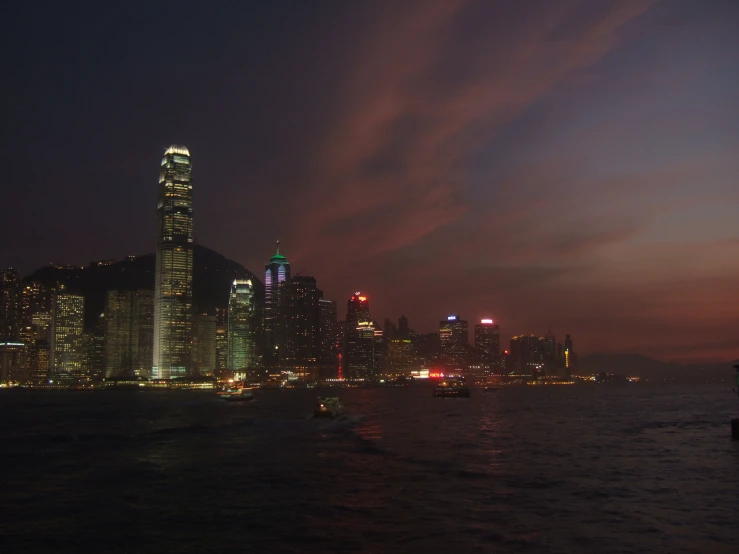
{"x": 559, "y": 469}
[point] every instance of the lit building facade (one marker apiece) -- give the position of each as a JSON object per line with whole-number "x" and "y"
{"x": 174, "y": 266}
{"x": 241, "y": 326}
{"x": 487, "y": 343}
{"x": 275, "y": 272}
{"x": 129, "y": 326}
{"x": 399, "y": 357}
{"x": 329, "y": 332}
{"x": 454, "y": 339}
{"x": 525, "y": 355}
{"x": 298, "y": 325}
{"x": 204, "y": 345}
{"x": 10, "y": 305}
{"x": 66, "y": 353}
{"x": 360, "y": 361}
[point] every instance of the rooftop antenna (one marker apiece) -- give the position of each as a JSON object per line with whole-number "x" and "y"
{"x": 278, "y": 246}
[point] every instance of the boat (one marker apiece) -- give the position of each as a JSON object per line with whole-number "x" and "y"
{"x": 236, "y": 395}
{"x": 452, "y": 388}
{"x": 328, "y": 406}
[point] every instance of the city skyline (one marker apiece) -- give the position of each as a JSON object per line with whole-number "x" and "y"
{"x": 575, "y": 172}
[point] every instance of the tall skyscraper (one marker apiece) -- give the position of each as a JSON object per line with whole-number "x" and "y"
{"x": 358, "y": 309}
{"x": 549, "y": 353}
{"x": 399, "y": 357}
{"x": 275, "y": 272}
{"x": 454, "y": 338}
{"x": 241, "y": 326}
{"x": 204, "y": 346}
{"x": 487, "y": 342}
{"x": 128, "y": 325}
{"x": 526, "y": 355}
{"x": 10, "y": 305}
{"x": 67, "y": 324}
{"x": 221, "y": 340}
{"x": 298, "y": 325}
{"x": 403, "y": 332}
{"x": 174, "y": 259}
{"x": 329, "y": 332}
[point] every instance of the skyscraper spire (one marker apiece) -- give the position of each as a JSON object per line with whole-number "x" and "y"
{"x": 278, "y": 246}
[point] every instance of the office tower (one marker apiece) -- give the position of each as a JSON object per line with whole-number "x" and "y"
{"x": 10, "y": 305}
{"x": 298, "y": 325}
{"x": 173, "y": 273}
{"x": 275, "y": 272}
{"x": 403, "y": 332}
{"x": 569, "y": 358}
{"x": 487, "y": 343}
{"x": 360, "y": 360}
{"x": 427, "y": 348}
{"x": 241, "y": 327}
{"x": 357, "y": 310}
{"x": 549, "y": 353}
{"x": 379, "y": 351}
{"x": 328, "y": 330}
{"x": 95, "y": 354}
{"x": 128, "y": 324}
{"x": 221, "y": 341}
{"x": 204, "y": 345}
{"x": 65, "y": 335}
{"x": 525, "y": 355}
{"x": 399, "y": 357}
{"x": 454, "y": 338}
{"x": 38, "y": 354}
{"x": 11, "y": 362}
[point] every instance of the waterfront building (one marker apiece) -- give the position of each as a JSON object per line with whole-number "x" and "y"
{"x": 525, "y": 355}
{"x": 65, "y": 336}
{"x": 298, "y": 325}
{"x": 10, "y": 305}
{"x": 487, "y": 343}
{"x": 329, "y": 334}
{"x": 204, "y": 345}
{"x": 174, "y": 266}
{"x": 399, "y": 357}
{"x": 360, "y": 362}
{"x": 241, "y": 314}
{"x": 275, "y": 272}
{"x": 454, "y": 339}
{"x": 129, "y": 331}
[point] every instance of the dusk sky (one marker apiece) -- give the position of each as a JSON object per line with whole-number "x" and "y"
{"x": 554, "y": 163}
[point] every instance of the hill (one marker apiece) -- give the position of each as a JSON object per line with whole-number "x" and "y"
{"x": 655, "y": 370}
{"x": 212, "y": 278}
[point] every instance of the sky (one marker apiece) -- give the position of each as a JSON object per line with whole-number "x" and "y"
{"x": 567, "y": 164}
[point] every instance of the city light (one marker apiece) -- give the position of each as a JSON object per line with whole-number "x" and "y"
{"x": 486, "y": 321}
{"x": 451, "y": 318}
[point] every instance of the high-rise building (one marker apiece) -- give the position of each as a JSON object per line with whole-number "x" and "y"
{"x": 67, "y": 324}
{"x": 298, "y": 325}
{"x": 128, "y": 324}
{"x": 360, "y": 359}
{"x": 487, "y": 343}
{"x": 275, "y": 272}
{"x": 454, "y": 338}
{"x": 10, "y": 305}
{"x": 35, "y": 301}
{"x": 549, "y": 353}
{"x": 95, "y": 353}
{"x": 241, "y": 326}
{"x": 328, "y": 330}
{"x": 174, "y": 259}
{"x": 525, "y": 355}
{"x": 38, "y": 356}
{"x": 358, "y": 309}
{"x": 204, "y": 345}
{"x": 569, "y": 358}
{"x": 399, "y": 357}
{"x": 221, "y": 341}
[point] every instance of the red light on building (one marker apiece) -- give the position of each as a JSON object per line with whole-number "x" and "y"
{"x": 435, "y": 374}
{"x": 362, "y": 298}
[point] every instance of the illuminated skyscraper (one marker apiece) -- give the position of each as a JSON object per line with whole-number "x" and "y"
{"x": 174, "y": 258}
{"x": 298, "y": 325}
{"x": 487, "y": 342}
{"x": 549, "y": 353}
{"x": 526, "y": 355}
{"x": 275, "y": 272}
{"x": 204, "y": 346}
{"x": 359, "y": 339}
{"x": 357, "y": 310}
{"x": 399, "y": 357}
{"x": 67, "y": 324}
{"x": 241, "y": 326}
{"x": 328, "y": 330}
{"x": 128, "y": 323}
{"x": 454, "y": 338}
{"x": 10, "y": 305}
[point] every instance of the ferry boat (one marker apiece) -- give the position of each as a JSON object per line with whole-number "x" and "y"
{"x": 328, "y": 406}
{"x": 452, "y": 388}
{"x": 236, "y": 395}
